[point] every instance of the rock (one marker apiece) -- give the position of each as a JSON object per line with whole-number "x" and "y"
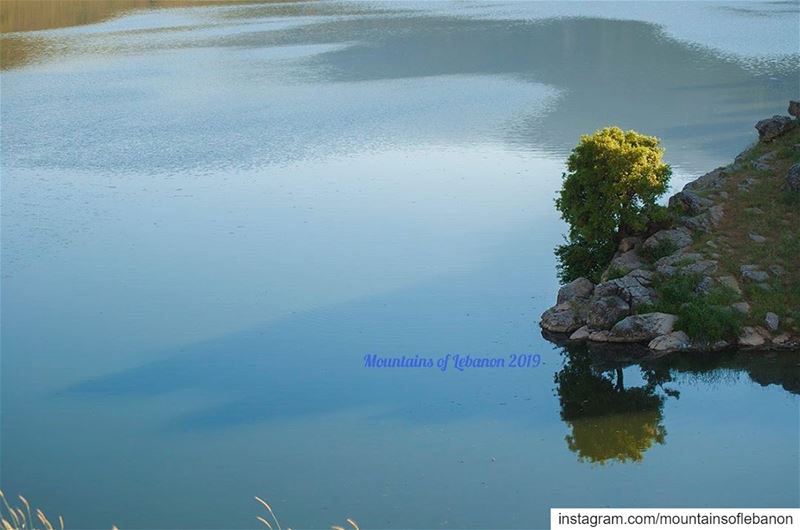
{"x": 635, "y": 288}
{"x": 773, "y": 127}
{"x": 723, "y": 195}
{"x": 754, "y": 211}
{"x": 772, "y": 321}
{"x": 705, "y": 285}
{"x": 686, "y": 263}
{"x": 675, "y": 341}
{"x": 783, "y": 338}
{"x": 711, "y": 180}
{"x": 599, "y": 336}
{"x": 562, "y": 318}
{"x": 629, "y": 243}
{"x": 720, "y": 345}
{"x": 626, "y": 262}
{"x": 642, "y": 328}
{"x": 731, "y": 283}
{"x": 750, "y": 337}
{"x": 580, "y": 288}
{"x": 762, "y": 163}
{"x": 707, "y": 220}
{"x": 793, "y": 178}
{"x": 764, "y": 286}
{"x": 777, "y": 270}
{"x": 741, "y": 307}
{"x": 581, "y": 333}
{"x": 752, "y": 274}
{"x": 603, "y": 312}
{"x": 678, "y": 237}
{"x": 794, "y": 108}
{"x": 757, "y": 238}
{"x": 690, "y": 202}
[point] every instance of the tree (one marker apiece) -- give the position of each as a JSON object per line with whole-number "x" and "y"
{"x": 613, "y": 180}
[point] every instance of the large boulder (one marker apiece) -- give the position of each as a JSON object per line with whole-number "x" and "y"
{"x": 625, "y": 262}
{"x": 749, "y": 336}
{"x": 578, "y": 289}
{"x": 562, "y": 318}
{"x": 677, "y": 237}
{"x": 710, "y": 181}
{"x": 642, "y": 328}
{"x": 793, "y": 178}
{"x": 685, "y": 263}
{"x": 635, "y": 288}
{"x": 773, "y": 127}
{"x": 705, "y": 221}
{"x": 603, "y": 312}
{"x": 675, "y": 341}
{"x": 690, "y": 202}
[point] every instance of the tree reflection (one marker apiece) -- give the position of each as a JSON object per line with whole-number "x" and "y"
{"x": 608, "y": 420}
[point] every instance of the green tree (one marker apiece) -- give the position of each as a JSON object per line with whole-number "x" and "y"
{"x": 613, "y": 180}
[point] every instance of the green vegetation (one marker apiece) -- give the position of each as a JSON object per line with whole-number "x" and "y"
{"x": 664, "y": 248}
{"x": 609, "y": 191}
{"x": 703, "y": 315}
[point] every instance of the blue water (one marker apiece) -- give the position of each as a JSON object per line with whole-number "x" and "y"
{"x": 210, "y": 215}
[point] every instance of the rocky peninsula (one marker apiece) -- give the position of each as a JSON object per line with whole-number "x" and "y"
{"x": 724, "y": 273}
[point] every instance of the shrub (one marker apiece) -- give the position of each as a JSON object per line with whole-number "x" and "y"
{"x": 609, "y": 191}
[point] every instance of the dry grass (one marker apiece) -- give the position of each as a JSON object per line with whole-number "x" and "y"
{"x": 23, "y": 517}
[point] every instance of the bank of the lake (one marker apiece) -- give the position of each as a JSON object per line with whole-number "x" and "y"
{"x": 721, "y": 273}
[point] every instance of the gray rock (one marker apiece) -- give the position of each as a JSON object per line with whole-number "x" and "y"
{"x": 707, "y": 220}
{"x": 705, "y": 285}
{"x": 629, "y": 243}
{"x": 741, "y": 307}
{"x": 635, "y": 288}
{"x": 686, "y": 263}
{"x": 777, "y": 270}
{"x": 762, "y": 163}
{"x": 604, "y": 312}
{"x": 710, "y": 181}
{"x": 580, "y": 288}
{"x": 562, "y": 318}
{"x": 626, "y": 262}
{"x": 773, "y": 127}
{"x": 581, "y": 333}
{"x": 750, "y": 337}
{"x": 764, "y": 286}
{"x": 793, "y": 178}
{"x": 781, "y": 339}
{"x": 720, "y": 345}
{"x": 679, "y": 237}
{"x": 731, "y": 283}
{"x": 772, "y": 321}
{"x": 794, "y": 108}
{"x": 690, "y": 202}
{"x": 757, "y": 238}
{"x": 599, "y": 336}
{"x": 642, "y": 328}
{"x": 751, "y": 273}
{"x": 754, "y": 211}
{"x": 724, "y": 195}
{"x": 675, "y": 341}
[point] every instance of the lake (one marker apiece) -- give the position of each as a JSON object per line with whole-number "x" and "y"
{"x": 211, "y": 215}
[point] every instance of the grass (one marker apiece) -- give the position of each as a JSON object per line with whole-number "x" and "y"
{"x": 21, "y": 517}
{"x": 704, "y": 316}
{"x": 777, "y": 222}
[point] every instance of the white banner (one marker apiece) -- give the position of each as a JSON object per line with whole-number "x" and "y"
{"x": 672, "y": 518}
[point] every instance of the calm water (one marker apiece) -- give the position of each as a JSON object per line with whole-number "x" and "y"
{"x": 210, "y": 215}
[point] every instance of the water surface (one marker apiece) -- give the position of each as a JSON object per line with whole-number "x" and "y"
{"x": 211, "y": 214}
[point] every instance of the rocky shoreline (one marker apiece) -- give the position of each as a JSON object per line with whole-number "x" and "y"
{"x": 617, "y": 310}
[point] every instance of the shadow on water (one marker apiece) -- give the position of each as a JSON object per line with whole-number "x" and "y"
{"x": 614, "y": 421}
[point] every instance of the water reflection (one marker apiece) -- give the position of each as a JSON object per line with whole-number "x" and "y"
{"x": 608, "y": 420}
{"x": 614, "y": 421}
